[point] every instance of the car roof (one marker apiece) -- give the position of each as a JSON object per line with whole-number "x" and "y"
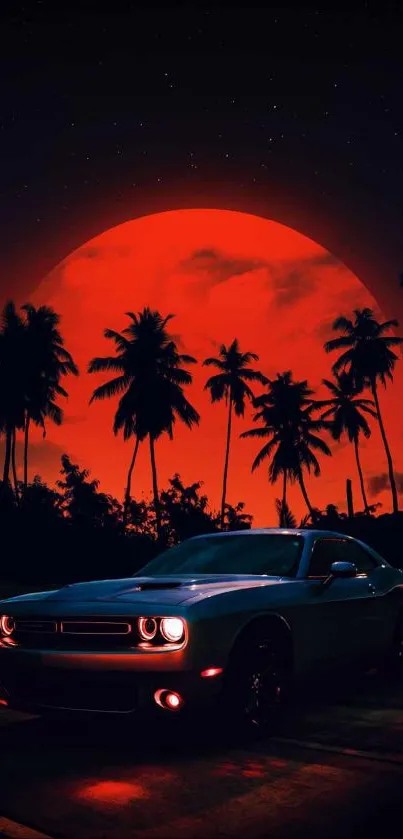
{"x": 278, "y": 531}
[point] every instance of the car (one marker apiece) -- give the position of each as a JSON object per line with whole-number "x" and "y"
{"x": 224, "y": 621}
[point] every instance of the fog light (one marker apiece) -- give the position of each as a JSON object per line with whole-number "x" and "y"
{"x": 168, "y": 699}
{"x": 173, "y": 700}
{"x": 211, "y": 672}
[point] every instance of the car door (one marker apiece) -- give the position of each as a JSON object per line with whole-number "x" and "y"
{"x": 344, "y": 615}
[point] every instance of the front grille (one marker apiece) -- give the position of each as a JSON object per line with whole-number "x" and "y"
{"x": 95, "y": 628}
{"x": 35, "y": 626}
{"x": 82, "y": 633}
{"x": 86, "y": 692}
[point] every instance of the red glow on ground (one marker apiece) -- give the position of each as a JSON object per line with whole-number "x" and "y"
{"x": 113, "y": 793}
{"x": 250, "y": 769}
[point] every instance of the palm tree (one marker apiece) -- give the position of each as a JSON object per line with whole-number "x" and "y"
{"x": 368, "y": 356}
{"x": 286, "y": 413}
{"x": 46, "y": 362}
{"x": 231, "y": 384}
{"x": 11, "y": 378}
{"x": 282, "y": 399}
{"x": 151, "y": 381}
{"x": 345, "y": 411}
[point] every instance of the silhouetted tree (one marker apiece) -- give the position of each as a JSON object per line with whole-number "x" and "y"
{"x": 11, "y": 378}
{"x": 235, "y": 518}
{"x": 32, "y": 362}
{"x": 287, "y": 417}
{"x": 140, "y": 518}
{"x": 46, "y": 362}
{"x": 285, "y": 515}
{"x": 345, "y": 412}
{"x": 41, "y": 501}
{"x": 185, "y": 512}
{"x": 151, "y": 380}
{"x": 82, "y": 503}
{"x": 231, "y": 384}
{"x": 368, "y": 357}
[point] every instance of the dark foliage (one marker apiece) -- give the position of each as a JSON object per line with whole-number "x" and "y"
{"x": 76, "y": 532}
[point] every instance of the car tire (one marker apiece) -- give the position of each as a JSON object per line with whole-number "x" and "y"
{"x": 256, "y": 688}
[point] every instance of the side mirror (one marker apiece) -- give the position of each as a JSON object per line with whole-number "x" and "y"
{"x": 339, "y": 571}
{"x": 343, "y": 569}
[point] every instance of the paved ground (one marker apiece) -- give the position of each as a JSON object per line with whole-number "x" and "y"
{"x": 98, "y": 782}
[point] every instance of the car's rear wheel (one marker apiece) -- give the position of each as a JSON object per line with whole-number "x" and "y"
{"x": 256, "y": 687}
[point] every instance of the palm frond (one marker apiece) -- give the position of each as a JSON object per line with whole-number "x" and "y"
{"x": 257, "y": 432}
{"x": 214, "y": 362}
{"x": 263, "y": 454}
{"x": 111, "y": 388}
{"x": 338, "y": 343}
{"x": 106, "y": 365}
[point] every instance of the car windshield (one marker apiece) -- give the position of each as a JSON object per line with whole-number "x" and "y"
{"x": 274, "y": 555}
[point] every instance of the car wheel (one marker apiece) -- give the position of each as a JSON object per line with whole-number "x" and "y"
{"x": 256, "y": 687}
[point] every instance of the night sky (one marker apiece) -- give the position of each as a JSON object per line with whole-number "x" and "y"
{"x": 97, "y": 105}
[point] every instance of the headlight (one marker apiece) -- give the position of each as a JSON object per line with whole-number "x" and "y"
{"x": 7, "y": 625}
{"x": 172, "y": 629}
{"x": 147, "y": 628}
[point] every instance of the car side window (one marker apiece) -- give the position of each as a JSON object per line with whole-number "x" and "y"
{"x": 363, "y": 561}
{"x": 327, "y": 551}
{"x": 324, "y": 553}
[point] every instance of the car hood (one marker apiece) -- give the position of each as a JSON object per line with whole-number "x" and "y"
{"x": 137, "y": 590}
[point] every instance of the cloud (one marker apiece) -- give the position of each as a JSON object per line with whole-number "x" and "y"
{"x": 101, "y": 252}
{"x": 74, "y": 419}
{"x": 218, "y": 266}
{"x": 325, "y": 259}
{"x": 324, "y": 330}
{"x": 379, "y": 483}
{"x": 293, "y": 285}
{"x": 43, "y": 455}
{"x": 289, "y": 280}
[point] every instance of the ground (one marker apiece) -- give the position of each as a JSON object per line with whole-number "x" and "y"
{"x": 335, "y": 769}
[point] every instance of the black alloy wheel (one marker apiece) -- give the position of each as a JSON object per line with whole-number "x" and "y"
{"x": 256, "y": 687}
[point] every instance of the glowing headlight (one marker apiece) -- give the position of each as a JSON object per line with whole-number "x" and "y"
{"x": 7, "y": 625}
{"x": 172, "y": 629}
{"x": 147, "y": 628}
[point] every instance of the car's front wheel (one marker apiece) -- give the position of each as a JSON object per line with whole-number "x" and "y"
{"x": 256, "y": 686}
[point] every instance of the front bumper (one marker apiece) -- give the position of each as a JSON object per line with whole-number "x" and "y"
{"x": 100, "y": 683}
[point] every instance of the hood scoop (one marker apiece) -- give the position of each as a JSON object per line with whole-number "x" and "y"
{"x": 154, "y": 586}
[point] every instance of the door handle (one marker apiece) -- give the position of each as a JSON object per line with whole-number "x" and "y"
{"x": 371, "y": 588}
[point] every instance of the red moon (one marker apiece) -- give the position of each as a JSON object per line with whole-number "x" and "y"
{"x": 223, "y": 274}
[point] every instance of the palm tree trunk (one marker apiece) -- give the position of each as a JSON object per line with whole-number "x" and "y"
{"x": 224, "y": 485}
{"x": 284, "y": 499}
{"x": 7, "y": 459}
{"x": 361, "y": 477}
{"x": 14, "y": 465}
{"x": 129, "y": 483}
{"x": 392, "y": 481}
{"x": 155, "y": 488}
{"x": 26, "y": 441}
{"x": 306, "y": 498}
